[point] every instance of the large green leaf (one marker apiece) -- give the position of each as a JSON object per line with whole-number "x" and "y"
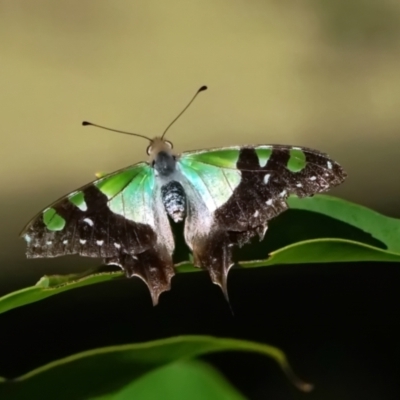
{"x": 51, "y": 285}
{"x": 111, "y": 370}
{"x": 316, "y": 230}
{"x": 381, "y": 227}
{"x": 181, "y": 380}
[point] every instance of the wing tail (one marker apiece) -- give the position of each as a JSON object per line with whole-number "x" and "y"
{"x": 154, "y": 267}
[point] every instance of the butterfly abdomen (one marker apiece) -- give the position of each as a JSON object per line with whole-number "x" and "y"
{"x": 174, "y": 200}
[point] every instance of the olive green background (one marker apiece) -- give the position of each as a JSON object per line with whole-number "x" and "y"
{"x": 314, "y": 73}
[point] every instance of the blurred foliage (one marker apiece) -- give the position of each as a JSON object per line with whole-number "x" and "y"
{"x": 118, "y": 371}
{"x": 359, "y": 22}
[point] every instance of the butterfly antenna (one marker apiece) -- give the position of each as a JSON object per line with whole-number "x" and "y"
{"x": 190, "y": 102}
{"x": 86, "y": 123}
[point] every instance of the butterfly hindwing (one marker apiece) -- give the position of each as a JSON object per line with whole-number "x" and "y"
{"x": 233, "y": 192}
{"x": 120, "y": 218}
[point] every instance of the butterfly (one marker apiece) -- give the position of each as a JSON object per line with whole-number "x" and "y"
{"x": 225, "y": 196}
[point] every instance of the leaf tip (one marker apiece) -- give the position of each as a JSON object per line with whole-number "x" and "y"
{"x": 301, "y": 385}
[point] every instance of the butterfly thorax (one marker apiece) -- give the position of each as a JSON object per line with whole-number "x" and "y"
{"x": 164, "y": 161}
{"x": 164, "y": 164}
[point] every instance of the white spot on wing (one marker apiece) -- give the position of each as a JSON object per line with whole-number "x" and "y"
{"x": 49, "y": 242}
{"x": 99, "y": 242}
{"x": 299, "y": 185}
{"x": 313, "y": 178}
{"x": 329, "y": 164}
{"x": 268, "y": 202}
{"x": 255, "y": 215}
{"x": 266, "y": 178}
{"x": 88, "y": 221}
{"x": 27, "y": 238}
{"x": 65, "y": 241}
{"x": 117, "y": 245}
{"x": 82, "y": 241}
{"x": 283, "y": 193}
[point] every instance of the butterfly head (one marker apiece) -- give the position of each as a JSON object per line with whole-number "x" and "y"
{"x": 161, "y": 157}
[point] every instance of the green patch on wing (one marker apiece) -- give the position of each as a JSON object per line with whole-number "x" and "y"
{"x": 297, "y": 160}
{"x": 223, "y": 158}
{"x": 113, "y": 184}
{"x": 52, "y": 220}
{"x": 135, "y": 199}
{"x": 78, "y": 199}
{"x": 324, "y": 249}
{"x": 263, "y": 154}
{"x": 215, "y": 184}
{"x": 130, "y": 192}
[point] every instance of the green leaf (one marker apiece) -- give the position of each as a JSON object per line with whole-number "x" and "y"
{"x": 51, "y": 285}
{"x": 181, "y": 380}
{"x": 110, "y": 370}
{"x": 320, "y": 229}
{"x": 381, "y": 227}
{"x": 324, "y": 251}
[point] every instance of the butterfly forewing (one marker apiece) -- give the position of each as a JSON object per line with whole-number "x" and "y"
{"x": 119, "y": 218}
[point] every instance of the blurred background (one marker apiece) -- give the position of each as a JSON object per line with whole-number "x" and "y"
{"x": 312, "y": 73}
